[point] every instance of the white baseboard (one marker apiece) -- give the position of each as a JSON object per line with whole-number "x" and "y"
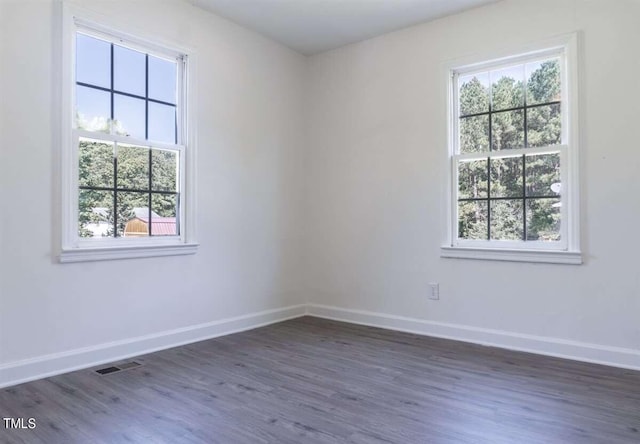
{"x": 561, "y": 348}
{"x": 54, "y": 364}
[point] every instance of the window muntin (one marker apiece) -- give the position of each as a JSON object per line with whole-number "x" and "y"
{"x": 510, "y": 154}
{"x": 127, "y": 136}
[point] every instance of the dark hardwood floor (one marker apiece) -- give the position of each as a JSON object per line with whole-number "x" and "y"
{"x": 315, "y": 381}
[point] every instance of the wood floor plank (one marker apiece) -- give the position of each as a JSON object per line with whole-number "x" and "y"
{"x": 310, "y": 380}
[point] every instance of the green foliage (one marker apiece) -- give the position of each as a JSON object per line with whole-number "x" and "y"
{"x": 507, "y": 130}
{"x": 506, "y": 219}
{"x": 544, "y": 83}
{"x": 97, "y": 163}
{"x": 543, "y": 219}
{"x": 506, "y": 93}
{"x": 474, "y": 97}
{"x": 164, "y": 172}
{"x": 535, "y": 205}
{"x": 474, "y": 134}
{"x": 95, "y": 207}
{"x": 544, "y": 125}
{"x": 472, "y": 220}
{"x": 472, "y": 179}
{"x": 506, "y": 177}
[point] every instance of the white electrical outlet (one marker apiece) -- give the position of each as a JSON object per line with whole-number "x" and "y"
{"x": 434, "y": 291}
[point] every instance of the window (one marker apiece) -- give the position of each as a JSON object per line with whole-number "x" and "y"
{"x": 127, "y": 144}
{"x": 513, "y": 160}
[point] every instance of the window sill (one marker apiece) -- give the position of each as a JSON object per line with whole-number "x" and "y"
{"x": 513, "y": 255}
{"x": 125, "y": 252}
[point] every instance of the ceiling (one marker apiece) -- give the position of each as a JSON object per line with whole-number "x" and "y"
{"x": 313, "y": 26}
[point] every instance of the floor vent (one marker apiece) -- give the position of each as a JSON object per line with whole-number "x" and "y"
{"x": 107, "y": 370}
{"x": 117, "y": 368}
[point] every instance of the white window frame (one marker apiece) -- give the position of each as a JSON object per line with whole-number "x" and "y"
{"x": 73, "y": 247}
{"x": 566, "y": 251}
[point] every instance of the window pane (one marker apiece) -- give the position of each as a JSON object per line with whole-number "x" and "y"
{"x": 507, "y": 88}
{"x": 133, "y": 214}
{"x": 472, "y": 179}
{"x": 129, "y": 114}
{"x": 506, "y": 177}
{"x": 472, "y": 220}
{"x": 162, "y": 123}
{"x": 133, "y": 167}
{"x": 544, "y": 125}
{"x": 162, "y": 79}
{"x": 543, "y": 81}
{"x": 93, "y": 61}
{"x": 164, "y": 170}
{"x": 474, "y": 134}
{"x": 129, "y": 70}
{"x": 164, "y": 220}
{"x": 543, "y": 219}
{"x": 507, "y": 130}
{"x": 543, "y": 174}
{"x": 93, "y": 109}
{"x": 95, "y": 213}
{"x": 474, "y": 93}
{"x": 95, "y": 163}
{"x": 506, "y": 219}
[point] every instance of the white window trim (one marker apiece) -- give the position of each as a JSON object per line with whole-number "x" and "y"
{"x": 567, "y": 251}
{"x": 74, "y": 249}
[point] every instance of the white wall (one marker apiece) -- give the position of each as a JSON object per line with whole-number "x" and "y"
{"x": 249, "y": 202}
{"x": 376, "y": 166}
